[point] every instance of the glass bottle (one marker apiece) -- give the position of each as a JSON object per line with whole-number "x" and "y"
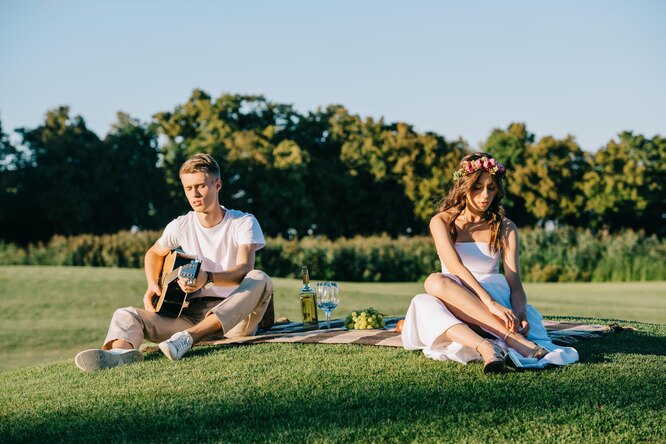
{"x": 308, "y": 305}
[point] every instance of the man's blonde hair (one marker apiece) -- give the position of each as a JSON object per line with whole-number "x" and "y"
{"x": 200, "y": 163}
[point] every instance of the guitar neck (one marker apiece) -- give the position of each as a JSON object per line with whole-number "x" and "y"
{"x": 173, "y": 274}
{"x": 192, "y": 268}
{"x": 173, "y": 299}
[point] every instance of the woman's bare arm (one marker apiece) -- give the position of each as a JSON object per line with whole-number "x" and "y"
{"x": 511, "y": 253}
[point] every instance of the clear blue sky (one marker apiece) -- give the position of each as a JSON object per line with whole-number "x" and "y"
{"x": 459, "y": 68}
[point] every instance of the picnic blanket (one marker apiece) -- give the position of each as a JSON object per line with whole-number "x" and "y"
{"x": 560, "y": 332}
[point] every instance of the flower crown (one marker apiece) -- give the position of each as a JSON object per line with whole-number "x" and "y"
{"x": 482, "y": 163}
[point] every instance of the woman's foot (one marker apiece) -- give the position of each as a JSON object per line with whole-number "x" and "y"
{"x": 525, "y": 347}
{"x": 493, "y": 357}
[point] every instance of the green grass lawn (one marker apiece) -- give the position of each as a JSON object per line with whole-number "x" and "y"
{"x": 51, "y": 313}
{"x": 317, "y": 393}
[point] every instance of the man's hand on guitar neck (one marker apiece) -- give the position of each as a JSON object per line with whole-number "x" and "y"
{"x": 153, "y": 289}
{"x": 190, "y": 287}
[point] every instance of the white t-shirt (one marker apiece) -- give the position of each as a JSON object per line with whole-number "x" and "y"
{"x": 215, "y": 247}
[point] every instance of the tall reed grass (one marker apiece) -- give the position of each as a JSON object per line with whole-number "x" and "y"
{"x": 560, "y": 255}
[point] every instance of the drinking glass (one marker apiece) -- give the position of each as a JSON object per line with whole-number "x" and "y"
{"x": 327, "y": 296}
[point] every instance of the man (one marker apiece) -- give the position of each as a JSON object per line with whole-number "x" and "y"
{"x": 227, "y": 296}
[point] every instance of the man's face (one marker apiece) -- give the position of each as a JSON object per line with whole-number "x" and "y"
{"x": 201, "y": 190}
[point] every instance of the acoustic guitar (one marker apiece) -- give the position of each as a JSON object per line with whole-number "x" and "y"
{"x": 173, "y": 299}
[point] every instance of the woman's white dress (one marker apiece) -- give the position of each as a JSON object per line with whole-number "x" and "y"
{"x": 427, "y": 318}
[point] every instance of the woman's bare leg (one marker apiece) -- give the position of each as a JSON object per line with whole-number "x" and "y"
{"x": 462, "y": 334}
{"x": 493, "y": 357}
{"x": 468, "y": 307}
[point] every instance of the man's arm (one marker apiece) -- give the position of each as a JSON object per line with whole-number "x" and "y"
{"x": 152, "y": 266}
{"x": 227, "y": 278}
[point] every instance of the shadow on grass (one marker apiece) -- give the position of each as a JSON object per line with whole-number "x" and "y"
{"x": 596, "y": 350}
{"x": 414, "y": 400}
{"x": 153, "y": 353}
{"x": 452, "y": 405}
{"x": 591, "y": 350}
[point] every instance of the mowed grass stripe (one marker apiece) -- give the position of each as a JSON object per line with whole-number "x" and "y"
{"x": 50, "y": 313}
{"x": 343, "y": 393}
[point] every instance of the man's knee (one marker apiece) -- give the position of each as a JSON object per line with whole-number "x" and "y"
{"x": 126, "y": 316}
{"x": 261, "y": 277}
{"x": 125, "y": 312}
{"x": 258, "y": 275}
{"x": 268, "y": 316}
{"x": 124, "y": 321}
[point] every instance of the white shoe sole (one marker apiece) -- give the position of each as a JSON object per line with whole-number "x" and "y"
{"x": 96, "y": 359}
{"x": 167, "y": 351}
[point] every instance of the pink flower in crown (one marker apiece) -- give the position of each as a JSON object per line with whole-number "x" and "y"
{"x": 482, "y": 163}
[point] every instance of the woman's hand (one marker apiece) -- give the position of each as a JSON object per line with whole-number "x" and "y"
{"x": 523, "y": 325}
{"x": 506, "y": 315}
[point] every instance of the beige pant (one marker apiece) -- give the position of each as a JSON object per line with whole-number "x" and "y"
{"x": 239, "y": 314}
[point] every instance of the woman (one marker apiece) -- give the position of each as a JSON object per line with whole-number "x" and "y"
{"x": 469, "y": 298}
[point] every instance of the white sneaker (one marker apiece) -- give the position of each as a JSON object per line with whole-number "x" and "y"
{"x": 176, "y": 347}
{"x": 97, "y": 359}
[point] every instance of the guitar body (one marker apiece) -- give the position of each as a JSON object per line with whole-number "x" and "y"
{"x": 173, "y": 300}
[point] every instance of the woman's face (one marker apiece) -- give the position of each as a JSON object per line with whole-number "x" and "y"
{"x": 482, "y": 193}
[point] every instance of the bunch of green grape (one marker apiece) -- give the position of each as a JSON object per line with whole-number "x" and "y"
{"x": 365, "y": 319}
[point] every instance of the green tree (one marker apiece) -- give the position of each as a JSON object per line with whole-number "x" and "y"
{"x": 8, "y": 152}
{"x": 59, "y": 185}
{"x": 314, "y": 173}
{"x": 65, "y": 180}
{"x": 262, "y": 168}
{"x": 325, "y": 172}
{"x": 352, "y": 196}
{"x": 433, "y": 175}
{"x": 550, "y": 180}
{"x": 654, "y": 216}
{"x": 139, "y": 193}
{"x": 419, "y": 166}
{"x": 10, "y": 186}
{"x": 625, "y": 187}
{"x": 510, "y": 147}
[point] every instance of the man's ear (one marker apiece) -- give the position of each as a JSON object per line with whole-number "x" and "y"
{"x": 218, "y": 184}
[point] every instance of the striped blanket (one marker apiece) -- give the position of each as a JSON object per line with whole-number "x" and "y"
{"x": 560, "y": 332}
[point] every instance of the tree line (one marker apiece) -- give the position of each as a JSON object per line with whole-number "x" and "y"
{"x": 324, "y": 172}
